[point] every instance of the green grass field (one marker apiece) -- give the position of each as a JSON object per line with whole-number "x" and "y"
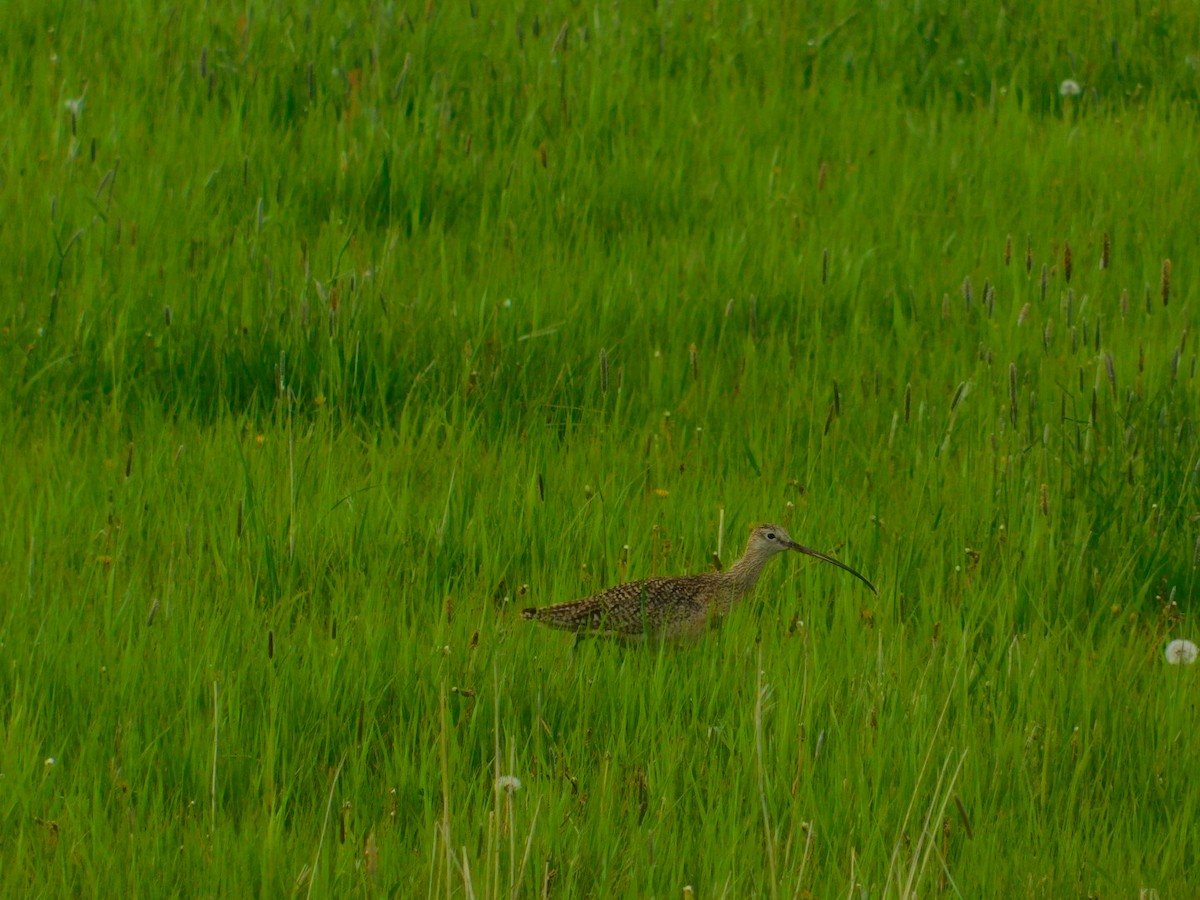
{"x": 333, "y": 336}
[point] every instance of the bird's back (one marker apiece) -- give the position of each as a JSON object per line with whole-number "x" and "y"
{"x": 669, "y": 607}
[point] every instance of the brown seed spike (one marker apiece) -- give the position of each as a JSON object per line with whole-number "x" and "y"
{"x": 1008, "y": 251}
{"x": 678, "y": 608}
{"x": 1029, "y": 254}
{"x": 1105, "y": 250}
{"x": 1067, "y": 261}
{"x": 1166, "y": 281}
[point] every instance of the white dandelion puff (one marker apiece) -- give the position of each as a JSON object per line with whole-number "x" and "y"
{"x": 1070, "y": 88}
{"x": 508, "y": 783}
{"x": 1182, "y": 652}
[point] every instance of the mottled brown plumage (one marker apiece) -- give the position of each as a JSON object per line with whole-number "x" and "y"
{"x": 674, "y": 608}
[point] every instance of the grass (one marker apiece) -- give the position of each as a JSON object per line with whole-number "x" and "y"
{"x": 337, "y": 336}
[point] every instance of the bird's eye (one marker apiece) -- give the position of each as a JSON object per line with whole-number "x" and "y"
{"x": 770, "y": 535}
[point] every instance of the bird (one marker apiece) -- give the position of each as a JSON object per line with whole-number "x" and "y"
{"x": 675, "y": 609}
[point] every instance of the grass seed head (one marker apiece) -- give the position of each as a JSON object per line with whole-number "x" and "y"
{"x": 1166, "y": 281}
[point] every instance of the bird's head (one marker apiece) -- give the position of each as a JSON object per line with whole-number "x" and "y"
{"x": 767, "y": 540}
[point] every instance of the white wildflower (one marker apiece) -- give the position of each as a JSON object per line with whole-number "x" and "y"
{"x": 508, "y": 783}
{"x": 1181, "y": 652}
{"x": 1070, "y": 88}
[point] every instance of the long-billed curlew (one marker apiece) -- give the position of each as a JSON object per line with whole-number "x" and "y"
{"x": 675, "y": 608}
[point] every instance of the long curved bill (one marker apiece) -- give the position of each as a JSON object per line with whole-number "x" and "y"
{"x": 792, "y": 545}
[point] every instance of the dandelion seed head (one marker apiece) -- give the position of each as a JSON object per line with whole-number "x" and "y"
{"x": 1182, "y": 652}
{"x": 508, "y": 783}
{"x": 1069, "y": 88}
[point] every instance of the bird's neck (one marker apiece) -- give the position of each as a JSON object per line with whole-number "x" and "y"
{"x": 742, "y": 576}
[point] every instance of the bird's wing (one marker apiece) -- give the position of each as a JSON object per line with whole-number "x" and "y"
{"x": 632, "y": 609}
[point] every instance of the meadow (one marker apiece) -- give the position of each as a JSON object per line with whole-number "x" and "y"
{"x": 334, "y": 335}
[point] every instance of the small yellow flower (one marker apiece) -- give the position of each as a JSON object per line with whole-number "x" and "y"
{"x": 259, "y": 440}
{"x": 661, "y": 492}
{"x": 104, "y": 560}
